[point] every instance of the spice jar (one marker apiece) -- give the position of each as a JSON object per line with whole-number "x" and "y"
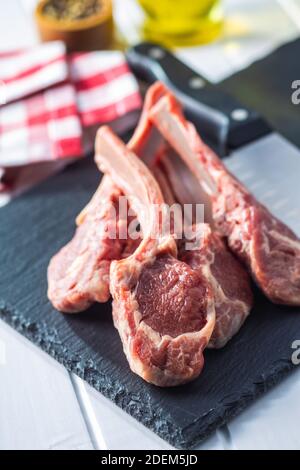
{"x": 83, "y": 25}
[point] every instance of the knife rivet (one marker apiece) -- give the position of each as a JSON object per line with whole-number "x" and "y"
{"x": 240, "y": 114}
{"x": 156, "y": 53}
{"x": 196, "y": 83}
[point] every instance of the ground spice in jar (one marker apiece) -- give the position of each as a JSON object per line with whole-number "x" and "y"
{"x": 72, "y": 10}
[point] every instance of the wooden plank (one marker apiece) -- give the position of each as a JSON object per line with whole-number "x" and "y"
{"x": 38, "y": 406}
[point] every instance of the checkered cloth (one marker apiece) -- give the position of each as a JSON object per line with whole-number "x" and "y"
{"x": 52, "y": 101}
{"x": 106, "y": 89}
{"x": 43, "y": 127}
{"x": 28, "y": 71}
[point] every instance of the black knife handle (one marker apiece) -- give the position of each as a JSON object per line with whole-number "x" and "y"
{"x": 225, "y": 122}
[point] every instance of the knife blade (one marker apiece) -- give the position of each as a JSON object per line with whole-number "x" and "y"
{"x": 267, "y": 163}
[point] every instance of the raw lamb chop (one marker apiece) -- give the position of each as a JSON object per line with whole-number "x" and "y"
{"x": 163, "y": 309}
{"x": 78, "y": 275}
{"x": 270, "y": 250}
{"x": 231, "y": 287}
{"x": 230, "y": 281}
{"x": 73, "y": 291}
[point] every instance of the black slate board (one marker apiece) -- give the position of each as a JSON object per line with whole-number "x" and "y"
{"x": 32, "y": 229}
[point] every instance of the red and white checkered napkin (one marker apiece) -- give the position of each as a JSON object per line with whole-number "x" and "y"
{"x": 43, "y": 127}
{"x": 54, "y": 103}
{"x": 28, "y": 71}
{"x": 106, "y": 88}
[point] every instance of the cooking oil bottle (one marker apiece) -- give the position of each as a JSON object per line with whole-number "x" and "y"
{"x": 182, "y": 22}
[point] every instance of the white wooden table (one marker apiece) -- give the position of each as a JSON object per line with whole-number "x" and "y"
{"x": 42, "y": 406}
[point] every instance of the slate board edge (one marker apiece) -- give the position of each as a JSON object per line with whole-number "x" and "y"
{"x": 185, "y": 438}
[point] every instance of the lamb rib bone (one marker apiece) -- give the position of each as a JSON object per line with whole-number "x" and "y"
{"x": 164, "y": 310}
{"x": 78, "y": 275}
{"x": 231, "y": 284}
{"x": 269, "y": 249}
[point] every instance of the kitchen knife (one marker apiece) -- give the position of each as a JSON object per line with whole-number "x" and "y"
{"x": 217, "y": 115}
{"x": 262, "y": 159}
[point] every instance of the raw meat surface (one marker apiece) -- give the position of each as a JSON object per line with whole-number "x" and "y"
{"x": 231, "y": 287}
{"x": 157, "y": 349}
{"x": 230, "y": 281}
{"x": 232, "y": 308}
{"x": 78, "y": 274}
{"x": 178, "y": 305}
{"x": 270, "y": 250}
{"x": 267, "y": 246}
